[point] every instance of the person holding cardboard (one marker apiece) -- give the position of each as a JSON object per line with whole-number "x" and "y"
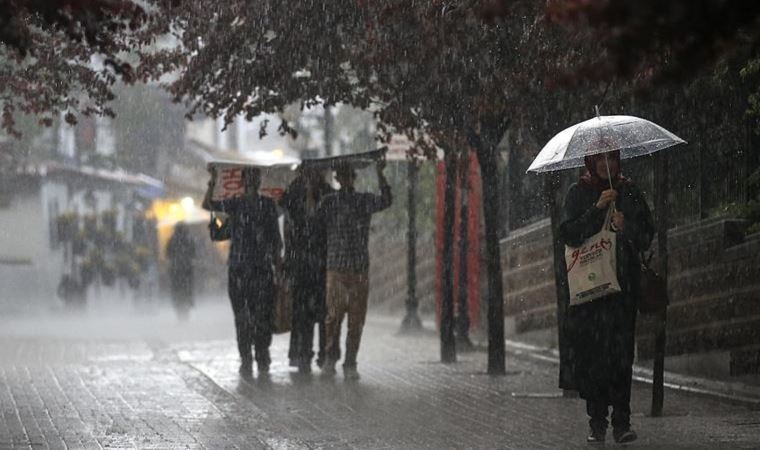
{"x": 346, "y": 216}
{"x": 254, "y": 259}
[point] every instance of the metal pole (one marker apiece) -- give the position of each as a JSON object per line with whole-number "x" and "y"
{"x": 658, "y": 388}
{"x": 496, "y": 344}
{"x": 411, "y": 321}
{"x": 463, "y": 315}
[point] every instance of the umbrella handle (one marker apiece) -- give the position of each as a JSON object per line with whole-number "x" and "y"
{"x": 609, "y": 178}
{"x": 607, "y": 164}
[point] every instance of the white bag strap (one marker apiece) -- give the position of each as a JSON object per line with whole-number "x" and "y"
{"x": 608, "y": 217}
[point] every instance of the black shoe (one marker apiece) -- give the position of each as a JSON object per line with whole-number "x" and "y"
{"x": 625, "y": 435}
{"x": 596, "y": 436}
{"x": 263, "y": 368}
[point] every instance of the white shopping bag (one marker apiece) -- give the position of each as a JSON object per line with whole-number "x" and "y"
{"x": 592, "y": 267}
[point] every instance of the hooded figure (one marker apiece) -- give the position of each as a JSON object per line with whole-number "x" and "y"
{"x": 305, "y": 262}
{"x": 600, "y": 334}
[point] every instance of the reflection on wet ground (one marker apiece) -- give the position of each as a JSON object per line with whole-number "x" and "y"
{"x": 120, "y": 380}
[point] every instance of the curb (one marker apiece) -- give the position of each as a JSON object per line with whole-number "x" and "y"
{"x": 731, "y": 392}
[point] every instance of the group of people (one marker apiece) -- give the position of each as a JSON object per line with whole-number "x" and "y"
{"x": 325, "y": 262}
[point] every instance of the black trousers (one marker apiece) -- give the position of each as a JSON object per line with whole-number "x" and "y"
{"x": 251, "y": 291}
{"x": 620, "y": 400}
{"x": 308, "y": 310}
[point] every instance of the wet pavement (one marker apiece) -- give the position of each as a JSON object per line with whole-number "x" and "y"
{"x": 148, "y": 382}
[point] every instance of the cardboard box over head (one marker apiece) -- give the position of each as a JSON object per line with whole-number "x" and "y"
{"x": 230, "y": 183}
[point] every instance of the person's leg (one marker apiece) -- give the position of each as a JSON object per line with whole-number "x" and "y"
{"x": 597, "y": 411}
{"x": 621, "y": 408}
{"x": 262, "y": 300}
{"x": 306, "y": 352}
{"x": 322, "y": 343}
{"x": 292, "y": 357}
{"x": 292, "y": 347}
{"x": 235, "y": 288}
{"x": 334, "y": 315}
{"x": 620, "y": 392}
{"x": 357, "y": 313}
{"x": 298, "y": 323}
{"x": 320, "y": 290}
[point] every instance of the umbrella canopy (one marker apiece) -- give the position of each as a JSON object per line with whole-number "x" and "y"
{"x": 632, "y": 136}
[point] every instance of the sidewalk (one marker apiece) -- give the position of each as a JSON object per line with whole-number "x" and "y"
{"x": 179, "y": 389}
{"x": 736, "y": 392}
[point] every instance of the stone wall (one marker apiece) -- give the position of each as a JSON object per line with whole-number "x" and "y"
{"x": 714, "y": 287}
{"x": 528, "y": 277}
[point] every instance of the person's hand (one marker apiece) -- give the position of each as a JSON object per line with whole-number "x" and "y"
{"x": 212, "y": 179}
{"x": 618, "y": 221}
{"x": 607, "y": 197}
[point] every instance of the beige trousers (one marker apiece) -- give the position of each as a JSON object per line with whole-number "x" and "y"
{"x": 346, "y": 296}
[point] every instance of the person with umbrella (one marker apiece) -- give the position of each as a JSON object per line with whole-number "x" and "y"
{"x": 598, "y": 330}
{"x": 600, "y": 333}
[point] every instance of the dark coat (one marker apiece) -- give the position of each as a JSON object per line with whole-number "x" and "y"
{"x": 305, "y": 241}
{"x": 600, "y": 334}
{"x": 180, "y": 251}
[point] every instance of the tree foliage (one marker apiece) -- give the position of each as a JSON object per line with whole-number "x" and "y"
{"x": 428, "y": 69}
{"x": 64, "y": 57}
{"x": 663, "y": 40}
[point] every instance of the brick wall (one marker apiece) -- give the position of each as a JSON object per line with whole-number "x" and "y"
{"x": 714, "y": 285}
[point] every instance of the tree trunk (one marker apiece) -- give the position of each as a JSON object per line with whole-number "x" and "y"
{"x": 486, "y": 152}
{"x": 448, "y": 343}
{"x": 463, "y": 318}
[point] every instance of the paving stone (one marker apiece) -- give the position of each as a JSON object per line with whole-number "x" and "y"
{"x": 159, "y": 393}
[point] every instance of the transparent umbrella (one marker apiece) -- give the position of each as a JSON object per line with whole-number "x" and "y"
{"x": 632, "y": 136}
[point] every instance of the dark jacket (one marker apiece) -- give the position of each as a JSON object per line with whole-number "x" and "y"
{"x": 255, "y": 234}
{"x": 305, "y": 242}
{"x": 600, "y": 334}
{"x": 180, "y": 251}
